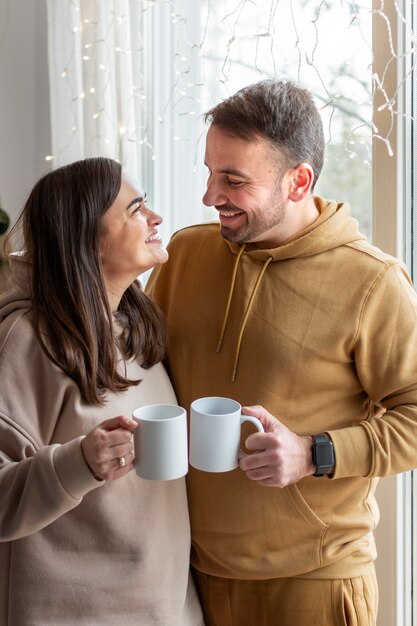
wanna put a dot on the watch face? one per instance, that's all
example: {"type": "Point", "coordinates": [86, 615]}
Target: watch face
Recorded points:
{"type": "Point", "coordinates": [324, 454]}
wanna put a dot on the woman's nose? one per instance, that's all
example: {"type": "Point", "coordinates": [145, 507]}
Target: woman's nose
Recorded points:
{"type": "Point", "coordinates": [153, 219]}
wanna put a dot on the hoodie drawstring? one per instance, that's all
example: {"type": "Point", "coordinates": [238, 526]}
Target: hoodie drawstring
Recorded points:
{"type": "Point", "coordinates": [232, 286]}
{"type": "Point", "coordinates": [248, 308]}
{"type": "Point", "coordinates": [245, 317]}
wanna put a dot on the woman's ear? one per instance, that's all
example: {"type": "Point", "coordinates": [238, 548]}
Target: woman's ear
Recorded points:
{"type": "Point", "coordinates": [302, 178]}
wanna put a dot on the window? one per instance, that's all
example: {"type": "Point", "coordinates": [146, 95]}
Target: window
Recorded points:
{"type": "Point", "coordinates": [325, 46]}
{"type": "Point", "coordinates": [214, 47]}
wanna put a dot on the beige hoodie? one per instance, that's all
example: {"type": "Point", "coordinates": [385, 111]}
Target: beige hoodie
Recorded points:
{"type": "Point", "coordinates": [322, 331]}
{"type": "Point", "coordinates": [74, 550]}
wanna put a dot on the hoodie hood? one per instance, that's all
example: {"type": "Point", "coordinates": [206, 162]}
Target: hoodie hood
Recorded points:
{"type": "Point", "coordinates": [334, 227]}
{"type": "Point", "coordinates": [18, 296]}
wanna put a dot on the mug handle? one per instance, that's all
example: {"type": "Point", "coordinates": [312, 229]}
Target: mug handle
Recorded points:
{"type": "Point", "coordinates": [255, 422]}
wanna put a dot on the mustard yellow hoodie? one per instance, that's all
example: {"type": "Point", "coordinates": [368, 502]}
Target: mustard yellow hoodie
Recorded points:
{"type": "Point", "coordinates": [322, 331]}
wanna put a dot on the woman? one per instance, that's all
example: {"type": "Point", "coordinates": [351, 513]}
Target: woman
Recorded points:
{"type": "Point", "coordinates": [84, 540]}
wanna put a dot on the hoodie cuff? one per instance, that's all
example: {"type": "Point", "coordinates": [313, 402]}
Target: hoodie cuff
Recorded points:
{"type": "Point", "coordinates": [72, 469]}
{"type": "Point", "coordinates": [353, 452]}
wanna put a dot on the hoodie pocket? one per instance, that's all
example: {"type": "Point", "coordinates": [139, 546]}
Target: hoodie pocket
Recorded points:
{"type": "Point", "coordinates": [305, 510]}
{"type": "Point", "coordinates": [243, 530]}
{"type": "Point", "coordinates": [309, 531]}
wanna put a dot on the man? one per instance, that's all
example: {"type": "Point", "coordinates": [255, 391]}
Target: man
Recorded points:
{"type": "Point", "coordinates": [290, 308]}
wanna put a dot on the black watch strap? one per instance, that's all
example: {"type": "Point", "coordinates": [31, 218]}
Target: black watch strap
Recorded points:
{"type": "Point", "coordinates": [323, 454]}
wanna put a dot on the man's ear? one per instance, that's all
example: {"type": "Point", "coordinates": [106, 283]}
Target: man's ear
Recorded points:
{"type": "Point", "coordinates": [301, 180]}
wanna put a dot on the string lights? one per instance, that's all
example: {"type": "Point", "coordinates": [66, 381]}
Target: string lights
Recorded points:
{"type": "Point", "coordinates": [106, 80]}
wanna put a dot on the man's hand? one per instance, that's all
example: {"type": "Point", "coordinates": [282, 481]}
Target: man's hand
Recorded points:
{"type": "Point", "coordinates": [282, 458]}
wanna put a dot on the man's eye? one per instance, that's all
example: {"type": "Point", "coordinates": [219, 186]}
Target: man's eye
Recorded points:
{"type": "Point", "coordinates": [234, 183]}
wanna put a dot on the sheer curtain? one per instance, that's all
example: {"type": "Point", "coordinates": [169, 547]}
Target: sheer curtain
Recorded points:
{"type": "Point", "coordinates": [94, 99]}
{"type": "Point", "coordinates": [115, 90]}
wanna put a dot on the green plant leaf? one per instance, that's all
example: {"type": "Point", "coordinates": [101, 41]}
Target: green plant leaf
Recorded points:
{"type": "Point", "coordinates": [4, 221]}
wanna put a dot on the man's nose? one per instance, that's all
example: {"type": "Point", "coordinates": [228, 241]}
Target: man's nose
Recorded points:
{"type": "Point", "coordinates": [215, 193]}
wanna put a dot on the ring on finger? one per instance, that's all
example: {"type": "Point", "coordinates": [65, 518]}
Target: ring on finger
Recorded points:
{"type": "Point", "coordinates": [122, 461]}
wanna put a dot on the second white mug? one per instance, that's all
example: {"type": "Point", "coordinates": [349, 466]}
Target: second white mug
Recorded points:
{"type": "Point", "coordinates": [215, 425]}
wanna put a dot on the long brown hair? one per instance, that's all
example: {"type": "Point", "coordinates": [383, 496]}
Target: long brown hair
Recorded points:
{"type": "Point", "coordinates": [71, 314]}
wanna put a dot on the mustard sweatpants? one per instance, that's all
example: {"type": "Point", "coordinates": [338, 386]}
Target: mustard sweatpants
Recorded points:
{"type": "Point", "coordinates": [289, 601]}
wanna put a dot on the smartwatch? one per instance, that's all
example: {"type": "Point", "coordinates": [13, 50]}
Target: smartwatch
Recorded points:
{"type": "Point", "coordinates": [323, 454]}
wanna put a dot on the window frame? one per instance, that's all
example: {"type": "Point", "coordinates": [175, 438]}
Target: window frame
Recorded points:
{"type": "Point", "coordinates": [392, 221]}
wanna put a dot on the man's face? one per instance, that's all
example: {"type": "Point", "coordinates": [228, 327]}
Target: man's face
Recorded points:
{"type": "Point", "coordinates": [247, 187]}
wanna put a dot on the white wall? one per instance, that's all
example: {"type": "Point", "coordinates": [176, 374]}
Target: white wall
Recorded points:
{"type": "Point", "coordinates": [24, 100]}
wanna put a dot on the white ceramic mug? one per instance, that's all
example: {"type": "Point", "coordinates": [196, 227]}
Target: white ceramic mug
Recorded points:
{"type": "Point", "coordinates": [161, 442]}
{"type": "Point", "coordinates": [215, 433]}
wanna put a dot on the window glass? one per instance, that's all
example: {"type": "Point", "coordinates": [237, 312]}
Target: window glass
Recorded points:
{"type": "Point", "coordinates": [324, 46]}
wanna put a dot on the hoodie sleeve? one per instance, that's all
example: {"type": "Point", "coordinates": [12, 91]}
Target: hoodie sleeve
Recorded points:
{"type": "Point", "coordinates": [385, 352]}
{"type": "Point", "coordinates": [39, 482]}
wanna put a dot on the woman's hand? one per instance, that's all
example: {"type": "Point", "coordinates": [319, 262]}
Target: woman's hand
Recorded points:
{"type": "Point", "coordinates": [106, 446]}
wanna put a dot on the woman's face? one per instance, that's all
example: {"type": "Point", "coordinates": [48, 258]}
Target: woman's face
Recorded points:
{"type": "Point", "coordinates": [129, 240]}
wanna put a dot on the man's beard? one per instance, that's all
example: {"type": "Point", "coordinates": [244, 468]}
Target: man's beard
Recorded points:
{"type": "Point", "coordinates": [265, 220]}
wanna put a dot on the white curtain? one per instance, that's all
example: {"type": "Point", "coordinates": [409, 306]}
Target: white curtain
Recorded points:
{"type": "Point", "coordinates": [115, 91]}
{"type": "Point", "coordinates": [95, 103]}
